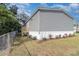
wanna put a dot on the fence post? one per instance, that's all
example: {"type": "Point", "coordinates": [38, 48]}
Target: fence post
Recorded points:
{"type": "Point", "coordinates": [8, 43]}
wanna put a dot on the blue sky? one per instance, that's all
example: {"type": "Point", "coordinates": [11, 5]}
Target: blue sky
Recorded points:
{"type": "Point", "coordinates": [71, 8]}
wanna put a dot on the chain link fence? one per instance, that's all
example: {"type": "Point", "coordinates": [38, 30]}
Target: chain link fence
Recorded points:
{"type": "Point", "coordinates": [5, 42]}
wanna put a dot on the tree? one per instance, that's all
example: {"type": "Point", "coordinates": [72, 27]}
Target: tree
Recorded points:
{"type": "Point", "coordinates": [23, 18]}
{"type": "Point", "coordinates": [8, 21]}
{"type": "Point", "coordinates": [3, 5]}
{"type": "Point", "coordinates": [14, 9]}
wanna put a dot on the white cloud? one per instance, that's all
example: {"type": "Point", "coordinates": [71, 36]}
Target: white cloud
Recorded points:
{"type": "Point", "coordinates": [74, 4]}
{"type": "Point", "coordinates": [43, 5]}
{"type": "Point", "coordinates": [22, 8]}
{"type": "Point", "coordinates": [27, 13]}
{"type": "Point", "coordinates": [77, 11]}
{"type": "Point", "coordinates": [23, 11]}
{"type": "Point", "coordinates": [27, 4]}
{"type": "Point", "coordinates": [61, 7]}
{"type": "Point", "coordinates": [23, 5]}
{"type": "Point", "coordinates": [67, 8]}
{"type": "Point", "coordinates": [29, 10]}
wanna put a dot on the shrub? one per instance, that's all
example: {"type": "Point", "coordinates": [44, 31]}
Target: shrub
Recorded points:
{"type": "Point", "coordinates": [26, 34]}
{"type": "Point", "coordinates": [34, 38]}
{"type": "Point", "coordinates": [50, 36]}
{"type": "Point", "coordinates": [70, 35]}
{"type": "Point", "coordinates": [30, 36]}
{"type": "Point", "coordinates": [59, 35]}
{"type": "Point", "coordinates": [65, 34]}
{"type": "Point", "coordinates": [44, 39]}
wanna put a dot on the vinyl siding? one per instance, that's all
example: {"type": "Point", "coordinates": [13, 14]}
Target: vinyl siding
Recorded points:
{"type": "Point", "coordinates": [55, 21]}
{"type": "Point", "coordinates": [34, 22]}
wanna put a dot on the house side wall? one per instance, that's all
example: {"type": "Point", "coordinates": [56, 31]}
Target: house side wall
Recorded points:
{"type": "Point", "coordinates": [45, 23]}
{"type": "Point", "coordinates": [55, 21]}
{"type": "Point", "coordinates": [34, 22]}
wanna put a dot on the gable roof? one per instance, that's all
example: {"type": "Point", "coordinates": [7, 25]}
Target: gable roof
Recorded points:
{"type": "Point", "coordinates": [50, 9]}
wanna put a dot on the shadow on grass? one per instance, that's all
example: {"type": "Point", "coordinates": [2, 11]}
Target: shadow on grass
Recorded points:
{"type": "Point", "coordinates": [20, 40]}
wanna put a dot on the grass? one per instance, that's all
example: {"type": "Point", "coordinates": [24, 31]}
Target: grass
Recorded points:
{"type": "Point", "coordinates": [54, 47]}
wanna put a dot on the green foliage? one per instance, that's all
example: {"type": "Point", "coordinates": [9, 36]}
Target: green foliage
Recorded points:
{"type": "Point", "coordinates": [14, 9]}
{"type": "Point", "coordinates": [2, 5]}
{"type": "Point", "coordinates": [8, 21]}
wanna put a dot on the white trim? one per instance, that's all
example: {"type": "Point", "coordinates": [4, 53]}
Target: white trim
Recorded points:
{"type": "Point", "coordinates": [45, 34]}
{"type": "Point", "coordinates": [35, 34]}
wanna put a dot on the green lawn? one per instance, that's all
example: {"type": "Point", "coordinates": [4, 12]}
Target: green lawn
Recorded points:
{"type": "Point", "coordinates": [57, 47]}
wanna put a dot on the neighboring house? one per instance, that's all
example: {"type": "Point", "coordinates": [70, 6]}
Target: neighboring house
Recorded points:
{"type": "Point", "coordinates": [54, 22]}
{"type": "Point", "coordinates": [76, 27]}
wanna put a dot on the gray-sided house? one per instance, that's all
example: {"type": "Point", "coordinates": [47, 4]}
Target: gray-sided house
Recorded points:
{"type": "Point", "coordinates": [76, 27]}
{"type": "Point", "coordinates": [45, 22]}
